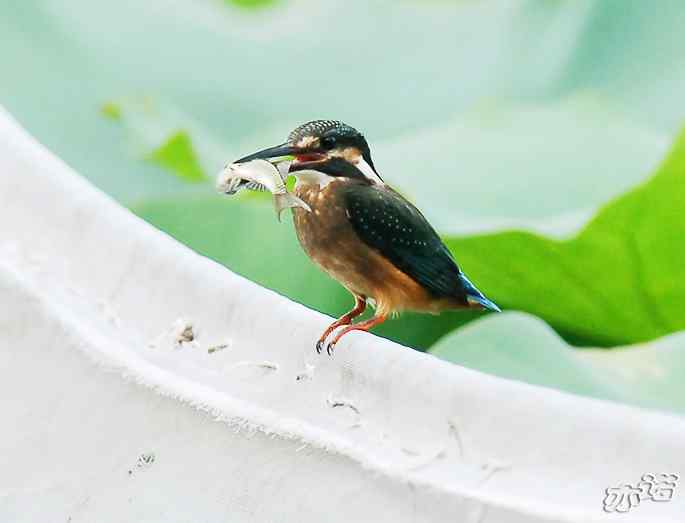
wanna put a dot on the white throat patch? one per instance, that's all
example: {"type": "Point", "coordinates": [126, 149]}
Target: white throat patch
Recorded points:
{"type": "Point", "coordinates": [367, 171]}
{"type": "Point", "coordinates": [314, 177]}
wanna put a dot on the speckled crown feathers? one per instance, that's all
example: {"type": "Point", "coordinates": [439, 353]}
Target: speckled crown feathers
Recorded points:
{"type": "Point", "coordinates": [319, 128]}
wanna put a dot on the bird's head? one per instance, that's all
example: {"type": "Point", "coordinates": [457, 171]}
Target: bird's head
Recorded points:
{"type": "Point", "coordinates": [325, 149]}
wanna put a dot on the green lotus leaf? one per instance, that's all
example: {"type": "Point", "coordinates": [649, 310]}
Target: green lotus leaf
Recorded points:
{"type": "Point", "coordinates": [523, 348]}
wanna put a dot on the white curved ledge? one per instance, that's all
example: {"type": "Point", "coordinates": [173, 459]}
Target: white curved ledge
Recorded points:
{"type": "Point", "coordinates": [109, 417]}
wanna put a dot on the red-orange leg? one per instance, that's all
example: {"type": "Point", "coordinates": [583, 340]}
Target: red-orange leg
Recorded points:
{"type": "Point", "coordinates": [361, 326]}
{"type": "Point", "coordinates": [345, 319]}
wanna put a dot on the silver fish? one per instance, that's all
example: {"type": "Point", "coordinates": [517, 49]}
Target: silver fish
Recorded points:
{"type": "Point", "coordinates": [259, 175]}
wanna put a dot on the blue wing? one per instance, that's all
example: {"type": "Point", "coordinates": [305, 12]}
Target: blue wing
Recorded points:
{"type": "Point", "coordinates": [391, 225]}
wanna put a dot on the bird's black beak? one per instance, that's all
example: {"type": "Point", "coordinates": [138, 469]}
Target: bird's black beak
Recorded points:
{"type": "Point", "coordinates": [285, 149]}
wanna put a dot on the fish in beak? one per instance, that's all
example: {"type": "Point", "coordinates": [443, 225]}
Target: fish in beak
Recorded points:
{"type": "Point", "coordinates": [259, 175]}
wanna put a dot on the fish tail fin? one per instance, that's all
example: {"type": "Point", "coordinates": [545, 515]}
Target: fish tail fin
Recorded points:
{"type": "Point", "coordinates": [287, 201]}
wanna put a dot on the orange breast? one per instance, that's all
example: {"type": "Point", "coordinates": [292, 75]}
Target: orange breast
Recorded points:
{"type": "Point", "coordinates": [328, 238]}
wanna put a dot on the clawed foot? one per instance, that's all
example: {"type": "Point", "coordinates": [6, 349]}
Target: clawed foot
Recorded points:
{"type": "Point", "coordinates": [362, 326]}
{"type": "Point", "coordinates": [329, 348]}
{"type": "Point", "coordinates": [344, 320]}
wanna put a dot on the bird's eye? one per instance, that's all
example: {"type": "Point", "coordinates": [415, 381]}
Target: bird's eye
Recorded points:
{"type": "Point", "coordinates": [327, 142]}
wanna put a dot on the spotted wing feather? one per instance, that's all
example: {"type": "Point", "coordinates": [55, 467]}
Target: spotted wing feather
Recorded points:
{"type": "Point", "coordinates": [391, 225]}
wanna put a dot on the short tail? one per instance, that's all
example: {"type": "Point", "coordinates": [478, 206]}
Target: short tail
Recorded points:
{"type": "Point", "coordinates": [286, 201]}
{"type": "Point", "coordinates": [475, 298]}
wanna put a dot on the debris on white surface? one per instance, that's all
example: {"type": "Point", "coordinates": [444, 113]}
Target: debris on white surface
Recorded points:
{"type": "Point", "coordinates": [218, 347]}
{"type": "Point", "coordinates": [250, 370]}
{"type": "Point", "coordinates": [492, 467]}
{"type": "Point", "coordinates": [181, 333]}
{"type": "Point", "coordinates": [307, 373]}
{"type": "Point", "coordinates": [145, 460]}
{"type": "Point", "coordinates": [80, 397]}
{"type": "Point", "coordinates": [336, 402]}
{"type": "Point", "coordinates": [453, 425]}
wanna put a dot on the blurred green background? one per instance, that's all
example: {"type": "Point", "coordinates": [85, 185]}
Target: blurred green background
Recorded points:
{"type": "Point", "coordinates": [540, 137]}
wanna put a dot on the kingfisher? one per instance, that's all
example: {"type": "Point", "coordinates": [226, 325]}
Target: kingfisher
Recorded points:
{"type": "Point", "coordinates": [364, 234]}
